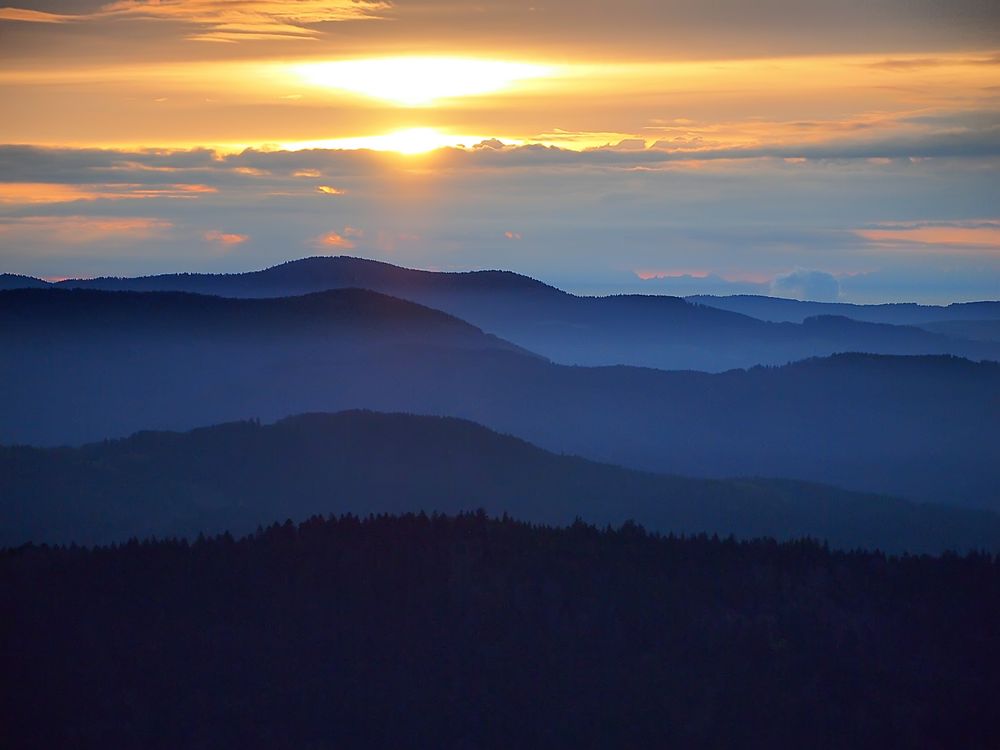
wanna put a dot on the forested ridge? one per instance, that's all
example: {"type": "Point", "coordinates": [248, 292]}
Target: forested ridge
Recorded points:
{"type": "Point", "coordinates": [232, 477]}
{"type": "Point", "coordinates": [471, 632]}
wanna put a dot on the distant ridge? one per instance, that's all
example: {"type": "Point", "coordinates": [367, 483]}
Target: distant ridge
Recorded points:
{"type": "Point", "coordinates": [782, 310]}
{"type": "Point", "coordinates": [83, 365]}
{"type": "Point", "coordinates": [313, 274]}
{"type": "Point", "coordinates": [236, 476]}
{"type": "Point", "coordinates": [648, 331]}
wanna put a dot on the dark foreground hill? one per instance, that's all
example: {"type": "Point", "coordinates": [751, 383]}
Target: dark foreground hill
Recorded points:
{"type": "Point", "coordinates": [419, 632]}
{"type": "Point", "coordinates": [79, 366]}
{"type": "Point", "coordinates": [649, 331]}
{"type": "Point", "coordinates": [234, 477]}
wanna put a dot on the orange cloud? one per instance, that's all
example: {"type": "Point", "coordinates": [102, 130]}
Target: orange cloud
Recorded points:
{"type": "Point", "coordinates": [44, 192]}
{"type": "Point", "coordinates": [333, 239]}
{"type": "Point", "coordinates": [978, 235]}
{"type": "Point", "coordinates": [225, 238]}
{"type": "Point", "coordinates": [648, 275]}
{"type": "Point", "coordinates": [512, 235]}
{"type": "Point", "coordinates": [33, 16]}
{"type": "Point", "coordinates": [329, 190]}
{"type": "Point", "coordinates": [82, 230]}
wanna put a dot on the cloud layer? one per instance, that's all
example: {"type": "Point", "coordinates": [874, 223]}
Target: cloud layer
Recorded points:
{"type": "Point", "coordinates": [600, 221]}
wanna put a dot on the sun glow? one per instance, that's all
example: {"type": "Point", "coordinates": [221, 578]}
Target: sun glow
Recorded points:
{"type": "Point", "coordinates": [419, 81]}
{"type": "Point", "coordinates": [409, 141]}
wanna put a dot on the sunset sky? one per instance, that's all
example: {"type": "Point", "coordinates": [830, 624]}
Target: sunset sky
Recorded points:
{"type": "Point", "coordinates": [823, 150]}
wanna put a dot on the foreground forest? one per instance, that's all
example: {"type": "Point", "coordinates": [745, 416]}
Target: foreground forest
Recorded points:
{"type": "Point", "coordinates": [467, 632]}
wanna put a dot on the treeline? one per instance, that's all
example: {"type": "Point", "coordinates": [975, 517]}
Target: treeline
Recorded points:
{"type": "Point", "coordinates": [471, 632]}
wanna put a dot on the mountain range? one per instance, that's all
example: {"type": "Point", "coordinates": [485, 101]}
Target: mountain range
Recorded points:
{"type": "Point", "coordinates": [782, 310]}
{"type": "Point", "coordinates": [642, 330]}
{"type": "Point", "coordinates": [84, 365]}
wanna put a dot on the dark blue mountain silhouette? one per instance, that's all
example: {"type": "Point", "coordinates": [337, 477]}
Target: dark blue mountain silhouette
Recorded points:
{"type": "Point", "coordinates": [16, 281]}
{"type": "Point", "coordinates": [974, 330]}
{"type": "Point", "coordinates": [85, 365]}
{"type": "Point", "coordinates": [780, 310]}
{"type": "Point", "coordinates": [651, 331]}
{"type": "Point", "coordinates": [236, 476]}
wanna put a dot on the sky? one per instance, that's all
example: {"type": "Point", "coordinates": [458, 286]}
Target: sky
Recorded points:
{"type": "Point", "coordinates": [831, 151]}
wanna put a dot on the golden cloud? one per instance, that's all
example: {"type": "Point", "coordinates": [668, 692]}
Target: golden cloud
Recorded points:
{"type": "Point", "coordinates": [335, 240]}
{"type": "Point", "coordinates": [225, 238]}
{"type": "Point", "coordinates": [25, 193]}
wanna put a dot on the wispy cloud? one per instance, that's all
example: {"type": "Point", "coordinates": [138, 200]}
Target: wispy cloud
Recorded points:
{"type": "Point", "coordinates": [34, 16]}
{"type": "Point", "coordinates": [25, 193]}
{"type": "Point", "coordinates": [81, 230]}
{"type": "Point", "coordinates": [334, 240]}
{"type": "Point", "coordinates": [910, 63]}
{"type": "Point", "coordinates": [226, 239]}
{"type": "Point", "coordinates": [222, 20]}
{"type": "Point", "coordinates": [961, 236]}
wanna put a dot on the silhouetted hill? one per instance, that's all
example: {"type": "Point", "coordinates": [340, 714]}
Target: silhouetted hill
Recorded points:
{"type": "Point", "coordinates": [649, 331]}
{"type": "Point", "coordinates": [780, 310]}
{"type": "Point", "coordinates": [453, 633]}
{"type": "Point", "coordinates": [338, 313]}
{"type": "Point", "coordinates": [234, 477]}
{"type": "Point", "coordinates": [918, 427]}
{"type": "Point", "coordinates": [976, 330]}
{"type": "Point", "coordinates": [16, 281]}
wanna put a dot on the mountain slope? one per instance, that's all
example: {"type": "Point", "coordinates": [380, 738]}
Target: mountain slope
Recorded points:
{"type": "Point", "coordinates": [919, 427]}
{"type": "Point", "coordinates": [976, 330]}
{"type": "Point", "coordinates": [236, 476]}
{"type": "Point", "coordinates": [71, 312]}
{"type": "Point", "coordinates": [650, 331]}
{"type": "Point", "coordinates": [17, 281]}
{"type": "Point", "coordinates": [780, 310]}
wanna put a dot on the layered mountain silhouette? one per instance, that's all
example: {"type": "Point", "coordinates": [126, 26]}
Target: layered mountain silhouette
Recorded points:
{"type": "Point", "coordinates": [83, 365]}
{"type": "Point", "coordinates": [237, 476]}
{"type": "Point", "coordinates": [650, 331]}
{"type": "Point", "coordinates": [780, 310]}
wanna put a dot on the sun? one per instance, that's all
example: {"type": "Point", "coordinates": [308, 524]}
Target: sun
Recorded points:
{"type": "Point", "coordinates": [419, 81]}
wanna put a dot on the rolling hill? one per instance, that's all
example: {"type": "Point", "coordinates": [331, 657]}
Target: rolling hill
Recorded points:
{"type": "Point", "coordinates": [80, 366]}
{"type": "Point", "coordinates": [648, 331]}
{"type": "Point", "coordinates": [237, 476]}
